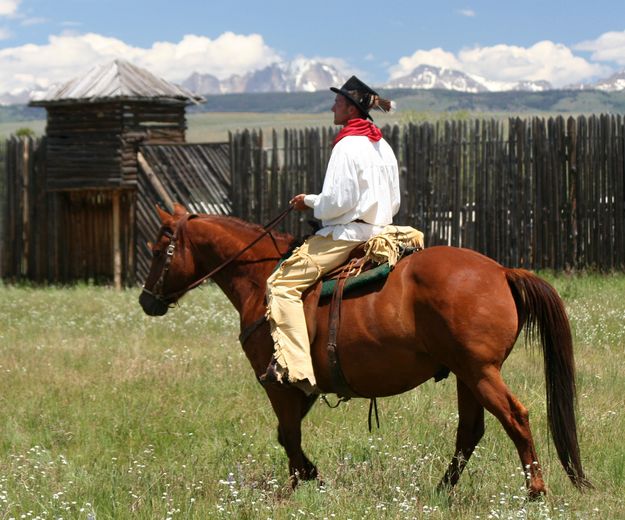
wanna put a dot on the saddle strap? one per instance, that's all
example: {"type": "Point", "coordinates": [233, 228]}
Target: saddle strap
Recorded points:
{"type": "Point", "coordinates": [339, 382]}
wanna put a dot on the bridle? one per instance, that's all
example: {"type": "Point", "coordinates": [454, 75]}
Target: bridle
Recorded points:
{"type": "Point", "coordinates": [170, 299]}
{"type": "Point", "coordinates": [157, 289]}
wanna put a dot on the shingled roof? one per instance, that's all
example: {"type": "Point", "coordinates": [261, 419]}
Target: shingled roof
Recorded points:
{"type": "Point", "coordinates": [117, 80]}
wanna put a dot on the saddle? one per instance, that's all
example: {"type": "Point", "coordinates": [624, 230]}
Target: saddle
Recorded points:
{"type": "Point", "coordinates": [371, 262]}
{"type": "Point", "coordinates": [357, 272]}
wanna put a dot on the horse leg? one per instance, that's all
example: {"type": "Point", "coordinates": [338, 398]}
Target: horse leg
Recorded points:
{"type": "Point", "coordinates": [469, 433]}
{"type": "Point", "coordinates": [290, 406]}
{"type": "Point", "coordinates": [310, 470]}
{"type": "Point", "coordinates": [493, 393]}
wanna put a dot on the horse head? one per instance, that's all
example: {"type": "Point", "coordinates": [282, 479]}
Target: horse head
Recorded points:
{"type": "Point", "coordinates": [170, 273]}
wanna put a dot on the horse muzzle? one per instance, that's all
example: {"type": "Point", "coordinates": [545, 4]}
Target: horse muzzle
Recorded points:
{"type": "Point", "coordinates": [152, 305]}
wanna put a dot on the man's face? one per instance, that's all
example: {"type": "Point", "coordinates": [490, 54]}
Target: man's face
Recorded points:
{"type": "Point", "coordinates": [343, 110]}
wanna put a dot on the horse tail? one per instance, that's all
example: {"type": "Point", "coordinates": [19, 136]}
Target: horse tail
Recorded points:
{"type": "Point", "coordinates": [542, 314]}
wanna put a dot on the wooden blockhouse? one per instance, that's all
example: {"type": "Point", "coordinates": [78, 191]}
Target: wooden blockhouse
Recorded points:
{"type": "Point", "coordinates": [106, 159]}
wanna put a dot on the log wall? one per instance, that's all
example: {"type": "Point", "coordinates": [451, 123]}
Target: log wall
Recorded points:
{"type": "Point", "coordinates": [535, 193]}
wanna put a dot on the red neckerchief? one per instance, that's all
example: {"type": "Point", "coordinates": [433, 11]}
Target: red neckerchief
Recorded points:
{"type": "Point", "coordinates": [359, 127]}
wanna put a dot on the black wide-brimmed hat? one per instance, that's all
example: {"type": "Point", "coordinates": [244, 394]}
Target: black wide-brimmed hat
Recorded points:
{"type": "Point", "coordinates": [362, 96]}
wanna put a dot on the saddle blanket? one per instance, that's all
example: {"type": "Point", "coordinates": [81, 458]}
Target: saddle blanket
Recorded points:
{"type": "Point", "coordinates": [381, 253]}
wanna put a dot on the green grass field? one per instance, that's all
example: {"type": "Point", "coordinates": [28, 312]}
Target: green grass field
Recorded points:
{"type": "Point", "coordinates": [8, 128]}
{"type": "Point", "coordinates": [214, 127]}
{"type": "Point", "coordinates": [107, 413]}
{"type": "Point", "coordinates": [211, 127]}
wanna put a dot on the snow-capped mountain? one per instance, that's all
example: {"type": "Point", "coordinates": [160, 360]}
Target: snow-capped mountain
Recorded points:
{"type": "Point", "coordinates": [614, 83]}
{"type": "Point", "coordinates": [431, 77]}
{"type": "Point", "coordinates": [305, 75]}
{"type": "Point", "coordinates": [531, 86]}
{"type": "Point", "coordinates": [205, 83]}
{"type": "Point", "coordinates": [300, 75]}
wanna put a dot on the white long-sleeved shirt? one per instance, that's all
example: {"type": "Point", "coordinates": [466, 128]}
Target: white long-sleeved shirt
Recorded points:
{"type": "Point", "coordinates": [361, 183]}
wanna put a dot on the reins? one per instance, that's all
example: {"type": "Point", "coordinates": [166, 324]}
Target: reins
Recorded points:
{"type": "Point", "coordinates": [267, 228]}
{"type": "Point", "coordinates": [373, 407]}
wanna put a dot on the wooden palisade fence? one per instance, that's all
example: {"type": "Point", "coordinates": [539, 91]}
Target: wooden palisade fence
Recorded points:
{"type": "Point", "coordinates": [49, 235]}
{"type": "Point", "coordinates": [534, 193]}
{"type": "Point", "coordinates": [52, 236]}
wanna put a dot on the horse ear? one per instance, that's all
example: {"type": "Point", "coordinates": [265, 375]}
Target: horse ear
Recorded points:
{"type": "Point", "coordinates": [163, 215]}
{"type": "Point", "coordinates": [179, 210]}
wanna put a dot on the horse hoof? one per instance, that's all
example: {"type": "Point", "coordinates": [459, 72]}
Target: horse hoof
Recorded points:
{"type": "Point", "coordinates": [535, 494]}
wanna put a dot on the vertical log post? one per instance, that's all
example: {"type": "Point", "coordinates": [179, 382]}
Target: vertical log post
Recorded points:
{"type": "Point", "coordinates": [117, 252]}
{"type": "Point", "coordinates": [25, 141]}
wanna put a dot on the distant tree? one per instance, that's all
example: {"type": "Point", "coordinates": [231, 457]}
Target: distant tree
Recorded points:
{"type": "Point", "coordinates": [25, 132]}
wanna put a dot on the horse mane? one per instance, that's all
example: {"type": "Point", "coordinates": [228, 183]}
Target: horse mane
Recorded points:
{"type": "Point", "coordinates": [236, 222]}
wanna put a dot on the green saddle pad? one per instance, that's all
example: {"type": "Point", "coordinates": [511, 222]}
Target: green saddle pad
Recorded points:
{"type": "Point", "coordinates": [372, 275]}
{"type": "Point", "coordinates": [376, 274]}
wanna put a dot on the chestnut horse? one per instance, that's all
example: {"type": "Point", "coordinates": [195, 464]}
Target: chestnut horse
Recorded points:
{"type": "Point", "coordinates": [440, 308]}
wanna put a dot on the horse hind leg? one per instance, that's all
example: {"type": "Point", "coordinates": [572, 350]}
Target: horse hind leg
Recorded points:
{"type": "Point", "coordinates": [469, 433]}
{"type": "Point", "coordinates": [492, 392]}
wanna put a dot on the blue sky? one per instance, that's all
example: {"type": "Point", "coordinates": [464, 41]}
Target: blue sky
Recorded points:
{"type": "Point", "coordinates": [46, 41]}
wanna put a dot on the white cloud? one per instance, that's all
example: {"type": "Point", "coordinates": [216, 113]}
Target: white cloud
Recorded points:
{"type": "Point", "coordinates": [226, 55]}
{"type": "Point", "coordinates": [609, 46]}
{"type": "Point", "coordinates": [9, 7]}
{"type": "Point", "coordinates": [544, 60]}
{"type": "Point", "coordinates": [469, 13]}
{"type": "Point", "coordinates": [36, 20]}
{"type": "Point", "coordinates": [68, 55]}
{"type": "Point", "coordinates": [436, 57]}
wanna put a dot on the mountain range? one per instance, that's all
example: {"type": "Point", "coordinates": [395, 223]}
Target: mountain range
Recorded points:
{"type": "Point", "coordinates": [299, 75]}
{"type": "Point", "coordinates": [304, 75]}
{"type": "Point", "coordinates": [429, 77]}
{"type": "Point", "coordinates": [311, 75]}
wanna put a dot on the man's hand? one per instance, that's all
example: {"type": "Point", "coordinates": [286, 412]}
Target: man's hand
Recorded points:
{"type": "Point", "coordinates": [298, 202]}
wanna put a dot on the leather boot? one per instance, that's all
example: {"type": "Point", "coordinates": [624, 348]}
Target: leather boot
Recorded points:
{"type": "Point", "coordinates": [271, 375]}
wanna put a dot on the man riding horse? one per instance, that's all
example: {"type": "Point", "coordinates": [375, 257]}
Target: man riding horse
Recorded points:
{"type": "Point", "coordinates": [360, 196]}
{"type": "Point", "coordinates": [442, 308]}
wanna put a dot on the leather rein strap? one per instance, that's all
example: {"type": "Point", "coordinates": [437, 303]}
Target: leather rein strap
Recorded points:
{"type": "Point", "coordinates": [267, 228]}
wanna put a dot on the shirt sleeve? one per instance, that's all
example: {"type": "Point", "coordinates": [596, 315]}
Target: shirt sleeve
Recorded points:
{"type": "Point", "coordinates": [310, 200]}
{"type": "Point", "coordinates": [340, 192]}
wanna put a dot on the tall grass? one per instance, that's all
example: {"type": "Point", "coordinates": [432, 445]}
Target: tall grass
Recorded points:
{"type": "Point", "coordinates": [209, 127]}
{"type": "Point", "coordinates": [107, 413]}
{"type": "Point", "coordinates": [214, 126]}
{"type": "Point", "coordinates": [8, 128]}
